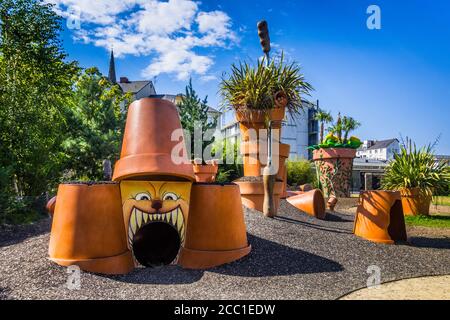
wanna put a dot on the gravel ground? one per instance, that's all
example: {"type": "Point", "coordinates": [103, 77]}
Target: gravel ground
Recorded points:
{"type": "Point", "coordinates": [426, 288]}
{"type": "Point", "coordinates": [294, 257]}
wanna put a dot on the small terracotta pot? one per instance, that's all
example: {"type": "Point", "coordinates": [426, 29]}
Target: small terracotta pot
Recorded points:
{"type": "Point", "coordinates": [331, 203]}
{"type": "Point", "coordinates": [335, 167]}
{"type": "Point", "coordinates": [252, 159]}
{"type": "Point", "coordinates": [216, 232]}
{"type": "Point", "coordinates": [88, 229]}
{"type": "Point", "coordinates": [147, 144]}
{"type": "Point", "coordinates": [415, 202]}
{"type": "Point", "coordinates": [379, 217]}
{"type": "Point", "coordinates": [252, 194]}
{"type": "Point", "coordinates": [50, 207]}
{"type": "Point", "coordinates": [311, 202]}
{"type": "Point", "coordinates": [206, 172]}
{"type": "Point", "coordinates": [256, 120]}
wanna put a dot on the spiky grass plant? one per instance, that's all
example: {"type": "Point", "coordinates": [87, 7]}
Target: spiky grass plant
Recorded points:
{"type": "Point", "coordinates": [250, 88]}
{"type": "Point", "coordinates": [416, 168]}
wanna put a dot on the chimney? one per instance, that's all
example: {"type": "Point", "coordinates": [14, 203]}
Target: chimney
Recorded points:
{"type": "Point", "coordinates": [124, 80]}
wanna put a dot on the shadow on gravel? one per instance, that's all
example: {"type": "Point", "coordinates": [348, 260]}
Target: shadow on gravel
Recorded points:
{"type": "Point", "coordinates": [10, 235]}
{"type": "Point", "coordinates": [423, 242]}
{"type": "Point", "coordinates": [269, 258]}
{"type": "Point", "coordinates": [337, 218]}
{"type": "Point", "coordinates": [314, 226]}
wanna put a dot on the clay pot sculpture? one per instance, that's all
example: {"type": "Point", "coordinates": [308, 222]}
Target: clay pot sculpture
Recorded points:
{"type": "Point", "coordinates": [205, 172]}
{"type": "Point", "coordinates": [379, 217]}
{"type": "Point", "coordinates": [252, 159]}
{"type": "Point", "coordinates": [331, 203]}
{"type": "Point", "coordinates": [252, 121]}
{"type": "Point", "coordinates": [50, 207]}
{"type": "Point", "coordinates": [311, 202]}
{"type": "Point", "coordinates": [335, 170]}
{"type": "Point", "coordinates": [216, 232]}
{"type": "Point", "coordinates": [252, 192]}
{"type": "Point", "coordinates": [88, 229]}
{"type": "Point", "coordinates": [415, 202]}
{"type": "Point", "coordinates": [148, 149]}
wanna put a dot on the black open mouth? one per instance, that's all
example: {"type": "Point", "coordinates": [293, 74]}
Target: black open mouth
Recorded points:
{"type": "Point", "coordinates": [156, 238]}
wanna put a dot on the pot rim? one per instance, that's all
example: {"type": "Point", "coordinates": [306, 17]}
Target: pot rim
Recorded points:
{"type": "Point", "coordinates": [334, 153]}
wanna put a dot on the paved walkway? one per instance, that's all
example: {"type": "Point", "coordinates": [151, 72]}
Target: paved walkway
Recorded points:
{"type": "Point", "coordinates": [426, 288]}
{"type": "Point", "coordinates": [294, 257]}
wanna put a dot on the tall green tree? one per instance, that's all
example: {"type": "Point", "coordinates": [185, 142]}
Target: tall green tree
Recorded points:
{"type": "Point", "coordinates": [323, 117]}
{"type": "Point", "coordinates": [96, 123]}
{"type": "Point", "coordinates": [349, 124]}
{"type": "Point", "coordinates": [35, 86]}
{"type": "Point", "coordinates": [194, 111]}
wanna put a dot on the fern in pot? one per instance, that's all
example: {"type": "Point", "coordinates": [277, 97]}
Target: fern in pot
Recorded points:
{"type": "Point", "coordinates": [418, 176]}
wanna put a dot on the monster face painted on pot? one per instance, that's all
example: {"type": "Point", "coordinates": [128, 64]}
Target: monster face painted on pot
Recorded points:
{"type": "Point", "coordinates": [155, 216]}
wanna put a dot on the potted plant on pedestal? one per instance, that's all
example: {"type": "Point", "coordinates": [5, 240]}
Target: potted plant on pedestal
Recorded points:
{"type": "Point", "coordinates": [194, 115]}
{"type": "Point", "coordinates": [260, 96]}
{"type": "Point", "coordinates": [334, 156]}
{"type": "Point", "coordinates": [417, 175]}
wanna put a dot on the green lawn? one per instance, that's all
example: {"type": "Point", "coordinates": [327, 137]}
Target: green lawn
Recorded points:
{"type": "Point", "coordinates": [428, 221]}
{"type": "Point", "coordinates": [443, 201]}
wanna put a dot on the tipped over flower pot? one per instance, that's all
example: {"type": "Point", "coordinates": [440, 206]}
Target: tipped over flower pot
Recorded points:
{"type": "Point", "coordinates": [216, 232]}
{"type": "Point", "coordinates": [88, 229]}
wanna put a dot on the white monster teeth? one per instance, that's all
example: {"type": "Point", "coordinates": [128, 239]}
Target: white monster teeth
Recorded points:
{"type": "Point", "coordinates": [180, 220]}
{"type": "Point", "coordinates": [174, 217]}
{"type": "Point", "coordinates": [139, 218]}
{"type": "Point", "coordinates": [145, 216]}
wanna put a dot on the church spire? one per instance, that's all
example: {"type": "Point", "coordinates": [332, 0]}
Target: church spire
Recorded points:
{"type": "Point", "coordinates": [112, 68]}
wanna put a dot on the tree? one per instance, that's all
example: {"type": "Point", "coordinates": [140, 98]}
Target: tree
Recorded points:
{"type": "Point", "coordinates": [95, 126]}
{"type": "Point", "coordinates": [349, 124]}
{"type": "Point", "coordinates": [323, 117]}
{"type": "Point", "coordinates": [35, 85]}
{"type": "Point", "coordinates": [194, 112]}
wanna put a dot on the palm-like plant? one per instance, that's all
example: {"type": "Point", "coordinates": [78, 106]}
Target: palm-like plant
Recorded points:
{"type": "Point", "coordinates": [349, 124]}
{"type": "Point", "coordinates": [416, 168]}
{"type": "Point", "coordinates": [323, 117]}
{"type": "Point", "coordinates": [251, 88]}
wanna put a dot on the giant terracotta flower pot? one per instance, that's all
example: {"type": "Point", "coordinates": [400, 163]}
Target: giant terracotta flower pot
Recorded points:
{"type": "Point", "coordinates": [206, 172]}
{"type": "Point", "coordinates": [379, 217]}
{"type": "Point", "coordinates": [335, 167]}
{"type": "Point", "coordinates": [216, 232]}
{"type": "Point", "coordinates": [88, 229]}
{"type": "Point", "coordinates": [310, 202]}
{"type": "Point", "coordinates": [148, 149]}
{"type": "Point", "coordinates": [415, 202]}
{"type": "Point", "coordinates": [252, 159]}
{"type": "Point", "coordinates": [257, 120]}
{"type": "Point", "coordinates": [252, 193]}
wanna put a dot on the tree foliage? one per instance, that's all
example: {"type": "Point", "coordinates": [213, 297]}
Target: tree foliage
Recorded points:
{"type": "Point", "coordinates": [95, 126]}
{"type": "Point", "coordinates": [194, 113]}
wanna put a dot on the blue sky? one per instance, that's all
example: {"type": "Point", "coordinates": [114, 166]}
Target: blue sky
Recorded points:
{"type": "Point", "coordinates": [394, 80]}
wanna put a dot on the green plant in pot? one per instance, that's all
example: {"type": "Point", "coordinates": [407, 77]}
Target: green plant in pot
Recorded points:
{"type": "Point", "coordinates": [259, 94]}
{"type": "Point", "coordinates": [334, 155]}
{"type": "Point", "coordinates": [194, 116]}
{"type": "Point", "coordinates": [418, 176]}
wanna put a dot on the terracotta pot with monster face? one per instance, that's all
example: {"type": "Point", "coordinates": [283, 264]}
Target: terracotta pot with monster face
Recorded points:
{"type": "Point", "coordinates": [155, 216]}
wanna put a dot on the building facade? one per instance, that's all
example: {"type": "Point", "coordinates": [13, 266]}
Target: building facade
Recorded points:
{"type": "Point", "coordinates": [299, 131]}
{"type": "Point", "coordinates": [379, 150]}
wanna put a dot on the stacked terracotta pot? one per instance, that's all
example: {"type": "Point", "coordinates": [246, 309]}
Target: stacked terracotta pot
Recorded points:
{"type": "Point", "coordinates": [254, 153]}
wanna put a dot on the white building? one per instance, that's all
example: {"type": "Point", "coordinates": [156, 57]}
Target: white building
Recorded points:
{"type": "Point", "coordinates": [299, 131]}
{"type": "Point", "coordinates": [378, 150]}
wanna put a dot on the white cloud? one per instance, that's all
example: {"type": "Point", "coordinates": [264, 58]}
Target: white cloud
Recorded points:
{"type": "Point", "coordinates": [168, 32]}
